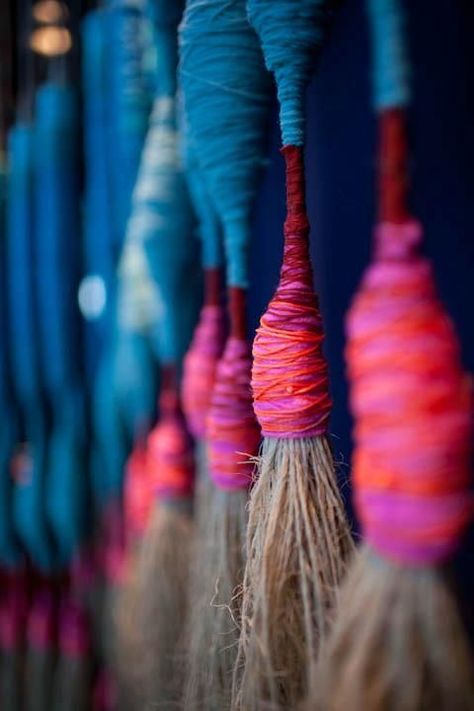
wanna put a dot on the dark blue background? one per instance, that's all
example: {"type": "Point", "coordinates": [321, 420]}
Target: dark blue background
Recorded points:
{"type": "Point", "coordinates": [340, 162]}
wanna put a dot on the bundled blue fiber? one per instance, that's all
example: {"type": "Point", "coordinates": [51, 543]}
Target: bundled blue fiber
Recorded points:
{"type": "Point", "coordinates": [57, 236]}
{"type": "Point", "coordinates": [98, 285]}
{"type": "Point", "coordinates": [209, 228]}
{"type": "Point", "coordinates": [165, 16]}
{"type": "Point", "coordinates": [29, 510]}
{"type": "Point", "coordinates": [391, 69]}
{"type": "Point", "coordinates": [128, 107]}
{"type": "Point", "coordinates": [226, 92]}
{"type": "Point", "coordinates": [10, 552]}
{"type": "Point", "coordinates": [164, 211]}
{"type": "Point", "coordinates": [291, 33]}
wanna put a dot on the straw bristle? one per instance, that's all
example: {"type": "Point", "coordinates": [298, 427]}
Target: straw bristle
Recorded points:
{"type": "Point", "coordinates": [214, 623]}
{"type": "Point", "coordinates": [398, 643]}
{"type": "Point", "coordinates": [298, 545]}
{"type": "Point", "coordinates": [127, 644]}
{"type": "Point", "coordinates": [162, 591]}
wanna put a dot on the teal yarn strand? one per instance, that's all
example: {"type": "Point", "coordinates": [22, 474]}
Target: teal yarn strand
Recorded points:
{"type": "Point", "coordinates": [209, 229]}
{"type": "Point", "coordinates": [391, 69]}
{"type": "Point", "coordinates": [164, 222]}
{"type": "Point", "coordinates": [227, 94]}
{"type": "Point", "coordinates": [291, 33]}
{"type": "Point", "coordinates": [165, 16]}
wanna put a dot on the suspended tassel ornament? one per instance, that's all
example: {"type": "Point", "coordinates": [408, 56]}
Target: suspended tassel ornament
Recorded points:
{"type": "Point", "coordinates": [298, 536]}
{"type": "Point", "coordinates": [398, 642]}
{"type": "Point", "coordinates": [226, 102]}
{"type": "Point", "coordinates": [164, 554]}
{"type": "Point", "coordinates": [200, 362]}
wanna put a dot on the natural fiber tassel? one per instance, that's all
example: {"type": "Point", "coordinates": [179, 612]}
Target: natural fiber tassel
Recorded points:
{"type": "Point", "coordinates": [199, 371]}
{"type": "Point", "coordinates": [398, 642]}
{"type": "Point", "coordinates": [227, 99]}
{"type": "Point", "coordinates": [233, 436]}
{"type": "Point", "coordinates": [164, 556]}
{"type": "Point", "coordinates": [298, 537]}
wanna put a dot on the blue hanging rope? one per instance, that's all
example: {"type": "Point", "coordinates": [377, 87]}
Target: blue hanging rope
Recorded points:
{"type": "Point", "coordinates": [391, 68]}
{"type": "Point", "coordinates": [165, 16]}
{"type": "Point", "coordinates": [165, 221]}
{"type": "Point", "coordinates": [227, 94]}
{"type": "Point", "coordinates": [57, 237]}
{"type": "Point", "coordinates": [128, 107]}
{"type": "Point", "coordinates": [209, 228]}
{"type": "Point", "coordinates": [98, 286]}
{"type": "Point", "coordinates": [10, 551]}
{"type": "Point", "coordinates": [29, 512]}
{"type": "Point", "coordinates": [291, 33]}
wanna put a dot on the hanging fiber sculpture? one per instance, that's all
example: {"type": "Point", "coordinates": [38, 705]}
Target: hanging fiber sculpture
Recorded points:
{"type": "Point", "coordinates": [166, 232]}
{"type": "Point", "coordinates": [200, 362]}
{"type": "Point", "coordinates": [57, 237]}
{"type": "Point", "coordinates": [28, 464]}
{"type": "Point", "coordinates": [226, 103]}
{"type": "Point", "coordinates": [11, 555]}
{"type": "Point", "coordinates": [398, 642]}
{"type": "Point", "coordinates": [298, 536]}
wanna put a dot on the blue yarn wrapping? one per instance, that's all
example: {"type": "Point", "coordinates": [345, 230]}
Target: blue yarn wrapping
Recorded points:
{"type": "Point", "coordinates": [164, 213]}
{"type": "Point", "coordinates": [165, 16]}
{"type": "Point", "coordinates": [209, 228]}
{"type": "Point", "coordinates": [57, 232]}
{"type": "Point", "coordinates": [57, 202]}
{"type": "Point", "coordinates": [391, 69]}
{"type": "Point", "coordinates": [28, 508]}
{"type": "Point", "coordinates": [10, 552]}
{"type": "Point", "coordinates": [227, 93]}
{"type": "Point", "coordinates": [22, 336]}
{"type": "Point", "coordinates": [291, 33]}
{"type": "Point", "coordinates": [99, 257]}
{"type": "Point", "coordinates": [128, 103]}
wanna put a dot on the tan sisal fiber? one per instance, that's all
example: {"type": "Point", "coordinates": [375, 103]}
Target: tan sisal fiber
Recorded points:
{"type": "Point", "coordinates": [397, 644]}
{"type": "Point", "coordinates": [214, 622]}
{"type": "Point", "coordinates": [298, 546]}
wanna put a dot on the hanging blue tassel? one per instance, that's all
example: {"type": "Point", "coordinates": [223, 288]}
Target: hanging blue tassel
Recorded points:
{"type": "Point", "coordinates": [58, 243]}
{"type": "Point", "coordinates": [10, 552]}
{"type": "Point", "coordinates": [29, 464]}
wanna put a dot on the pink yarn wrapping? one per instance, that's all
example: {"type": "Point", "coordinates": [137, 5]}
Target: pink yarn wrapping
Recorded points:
{"type": "Point", "coordinates": [289, 375]}
{"type": "Point", "coordinates": [200, 366]}
{"type": "Point", "coordinates": [233, 432]}
{"type": "Point", "coordinates": [170, 458]}
{"type": "Point", "coordinates": [412, 405]}
{"type": "Point", "coordinates": [137, 493]}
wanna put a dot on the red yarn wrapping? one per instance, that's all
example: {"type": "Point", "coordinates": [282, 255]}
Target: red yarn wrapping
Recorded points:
{"type": "Point", "coordinates": [393, 166]}
{"type": "Point", "coordinates": [199, 368]}
{"type": "Point", "coordinates": [137, 493]}
{"type": "Point", "coordinates": [289, 374]}
{"type": "Point", "coordinates": [170, 460]}
{"type": "Point", "coordinates": [233, 432]}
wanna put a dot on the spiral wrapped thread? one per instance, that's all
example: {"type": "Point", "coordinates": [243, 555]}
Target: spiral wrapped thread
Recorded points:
{"type": "Point", "coordinates": [412, 404]}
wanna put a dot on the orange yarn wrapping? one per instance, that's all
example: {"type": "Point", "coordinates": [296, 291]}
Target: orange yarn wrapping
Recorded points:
{"type": "Point", "coordinates": [170, 460]}
{"type": "Point", "coordinates": [289, 374]}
